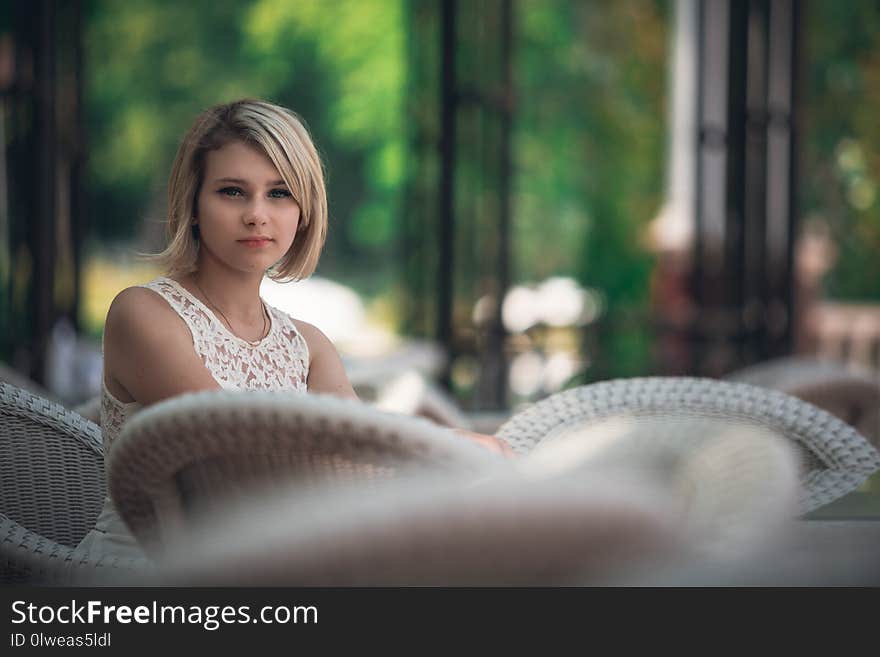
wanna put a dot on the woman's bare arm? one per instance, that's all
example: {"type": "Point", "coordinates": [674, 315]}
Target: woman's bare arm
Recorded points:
{"type": "Point", "coordinates": [326, 373]}
{"type": "Point", "coordinates": [489, 442]}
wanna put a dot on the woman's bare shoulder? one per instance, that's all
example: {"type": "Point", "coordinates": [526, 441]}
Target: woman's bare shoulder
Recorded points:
{"type": "Point", "coordinates": [137, 304]}
{"type": "Point", "coordinates": [314, 337]}
{"type": "Point", "coordinates": [138, 313]}
{"type": "Point", "coordinates": [306, 330]}
{"type": "Point", "coordinates": [148, 349]}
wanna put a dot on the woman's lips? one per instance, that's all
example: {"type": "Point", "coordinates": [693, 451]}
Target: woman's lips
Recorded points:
{"type": "Point", "coordinates": [255, 243]}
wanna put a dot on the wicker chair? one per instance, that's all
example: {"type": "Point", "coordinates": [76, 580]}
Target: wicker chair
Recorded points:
{"type": "Point", "coordinates": [677, 488]}
{"type": "Point", "coordinates": [615, 421]}
{"type": "Point", "coordinates": [587, 526]}
{"type": "Point", "coordinates": [187, 456]}
{"type": "Point", "coordinates": [51, 490]}
{"type": "Point", "coordinates": [849, 393]}
{"type": "Point", "coordinates": [89, 409]}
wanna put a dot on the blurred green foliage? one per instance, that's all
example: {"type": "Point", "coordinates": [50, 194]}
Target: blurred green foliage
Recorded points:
{"type": "Point", "coordinates": [840, 181]}
{"type": "Point", "coordinates": [591, 129]}
{"type": "Point", "coordinates": [590, 148]}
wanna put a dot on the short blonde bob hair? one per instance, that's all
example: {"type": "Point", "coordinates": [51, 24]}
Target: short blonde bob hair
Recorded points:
{"type": "Point", "coordinates": [281, 135]}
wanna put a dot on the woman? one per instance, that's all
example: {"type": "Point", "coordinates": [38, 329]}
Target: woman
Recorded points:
{"type": "Point", "coordinates": [246, 198]}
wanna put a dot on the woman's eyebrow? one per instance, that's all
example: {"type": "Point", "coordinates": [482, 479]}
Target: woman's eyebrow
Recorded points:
{"type": "Point", "coordinates": [240, 181]}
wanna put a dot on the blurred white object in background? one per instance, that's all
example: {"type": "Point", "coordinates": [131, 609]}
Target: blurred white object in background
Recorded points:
{"type": "Point", "coordinates": [557, 301]}
{"type": "Point", "coordinates": [371, 354]}
{"type": "Point", "coordinates": [519, 310]}
{"type": "Point", "coordinates": [335, 309]}
{"type": "Point", "coordinates": [412, 393]}
{"type": "Point", "coordinates": [559, 369]}
{"type": "Point", "coordinates": [59, 359]}
{"type": "Point", "coordinates": [560, 301]}
{"type": "Point", "coordinates": [420, 356]}
{"type": "Point", "coordinates": [338, 311]}
{"type": "Point", "coordinates": [73, 364]}
{"type": "Point", "coordinates": [526, 373]}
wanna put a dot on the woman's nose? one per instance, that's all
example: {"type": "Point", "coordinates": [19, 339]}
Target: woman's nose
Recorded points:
{"type": "Point", "coordinates": [255, 213]}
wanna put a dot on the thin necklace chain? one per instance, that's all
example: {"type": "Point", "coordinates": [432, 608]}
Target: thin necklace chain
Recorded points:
{"type": "Point", "coordinates": [252, 343]}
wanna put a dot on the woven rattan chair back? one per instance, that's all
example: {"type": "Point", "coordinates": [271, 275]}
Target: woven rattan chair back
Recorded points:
{"type": "Point", "coordinates": [849, 393]}
{"type": "Point", "coordinates": [835, 459]}
{"type": "Point", "coordinates": [187, 456]}
{"type": "Point", "coordinates": [51, 467]}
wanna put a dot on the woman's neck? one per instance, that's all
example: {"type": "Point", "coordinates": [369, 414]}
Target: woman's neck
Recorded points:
{"type": "Point", "coordinates": [235, 293]}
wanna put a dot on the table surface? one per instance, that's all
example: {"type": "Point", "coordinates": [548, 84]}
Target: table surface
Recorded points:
{"type": "Point", "coordinates": [835, 546]}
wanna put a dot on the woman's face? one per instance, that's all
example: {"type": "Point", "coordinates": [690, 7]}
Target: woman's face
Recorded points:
{"type": "Point", "coordinates": [247, 217]}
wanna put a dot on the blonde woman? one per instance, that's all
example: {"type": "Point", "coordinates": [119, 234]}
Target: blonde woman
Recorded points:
{"type": "Point", "coordinates": [246, 198]}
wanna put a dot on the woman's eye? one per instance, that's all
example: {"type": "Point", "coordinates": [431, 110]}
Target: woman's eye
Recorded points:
{"type": "Point", "coordinates": [279, 193]}
{"type": "Point", "coordinates": [231, 191]}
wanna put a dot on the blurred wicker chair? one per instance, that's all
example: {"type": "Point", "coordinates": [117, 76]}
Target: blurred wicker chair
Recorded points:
{"type": "Point", "coordinates": [738, 486]}
{"type": "Point", "coordinates": [51, 491]}
{"type": "Point", "coordinates": [440, 531]}
{"type": "Point", "coordinates": [851, 394]}
{"type": "Point", "coordinates": [187, 456]}
{"type": "Point", "coordinates": [664, 418]}
{"type": "Point", "coordinates": [585, 526]}
{"type": "Point", "coordinates": [585, 506]}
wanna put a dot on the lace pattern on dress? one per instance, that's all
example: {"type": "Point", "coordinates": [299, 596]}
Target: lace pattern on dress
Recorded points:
{"type": "Point", "coordinates": [114, 413]}
{"type": "Point", "coordinates": [280, 361]}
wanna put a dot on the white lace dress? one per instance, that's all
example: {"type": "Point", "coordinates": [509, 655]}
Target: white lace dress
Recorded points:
{"type": "Point", "coordinates": [280, 361]}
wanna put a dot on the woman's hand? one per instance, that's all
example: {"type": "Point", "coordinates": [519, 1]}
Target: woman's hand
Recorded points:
{"type": "Point", "coordinates": [489, 442]}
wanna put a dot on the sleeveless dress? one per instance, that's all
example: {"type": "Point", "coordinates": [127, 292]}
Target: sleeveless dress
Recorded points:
{"type": "Point", "coordinates": [280, 361]}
